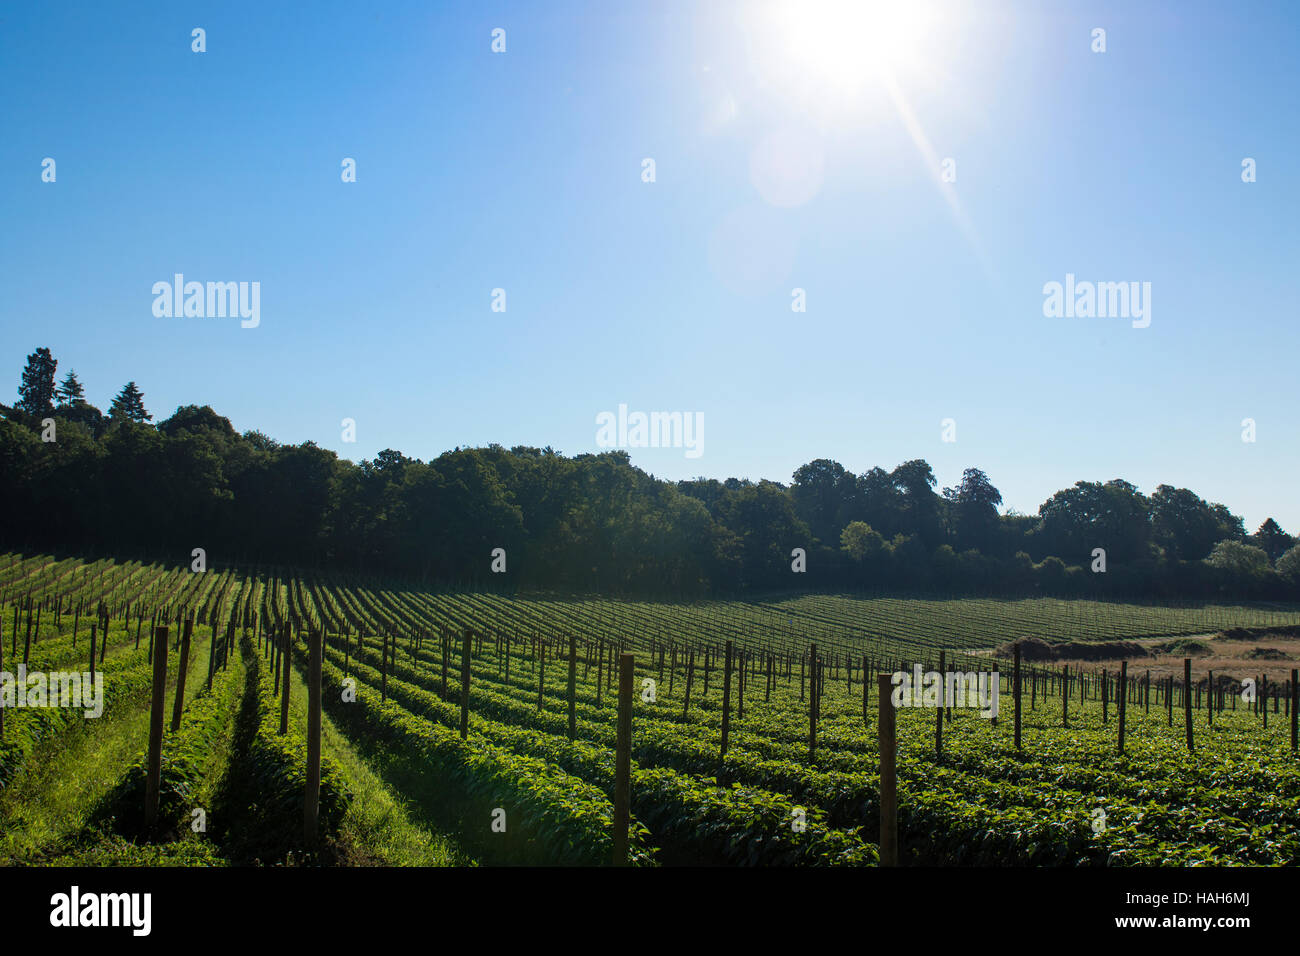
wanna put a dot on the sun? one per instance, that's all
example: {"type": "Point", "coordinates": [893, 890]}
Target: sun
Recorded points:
{"type": "Point", "coordinates": [832, 49]}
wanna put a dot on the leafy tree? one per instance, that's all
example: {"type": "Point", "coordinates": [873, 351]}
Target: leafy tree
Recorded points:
{"type": "Point", "coordinates": [196, 419]}
{"type": "Point", "coordinates": [1113, 516]}
{"type": "Point", "coordinates": [36, 393]}
{"type": "Point", "coordinates": [1241, 560]}
{"type": "Point", "coordinates": [129, 406]}
{"type": "Point", "coordinates": [823, 494]}
{"type": "Point", "coordinates": [915, 482]}
{"type": "Point", "coordinates": [1183, 523]}
{"type": "Point", "coordinates": [1288, 565]}
{"type": "Point", "coordinates": [859, 541]}
{"type": "Point", "coordinates": [975, 510]}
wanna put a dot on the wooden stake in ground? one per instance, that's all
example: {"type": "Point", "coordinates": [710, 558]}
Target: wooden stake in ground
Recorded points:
{"type": "Point", "coordinates": [726, 699]}
{"type": "Point", "coordinates": [1262, 698]}
{"type": "Point", "coordinates": [1187, 698]}
{"type": "Point", "coordinates": [285, 667]}
{"type": "Point", "coordinates": [1122, 700]}
{"type": "Point", "coordinates": [311, 802]}
{"type": "Point", "coordinates": [179, 707]}
{"type": "Point", "coordinates": [812, 703]}
{"type": "Point", "coordinates": [541, 672]}
{"type": "Point", "coordinates": [866, 686]}
{"type": "Point", "coordinates": [464, 684]}
{"type": "Point", "coordinates": [1295, 719]}
{"type": "Point", "coordinates": [690, 676]}
{"type": "Point", "coordinates": [1065, 696]}
{"type": "Point", "coordinates": [92, 653]}
{"type": "Point", "coordinates": [938, 714]}
{"type": "Point", "coordinates": [573, 687]}
{"type": "Point", "coordinates": [153, 769]}
{"type": "Point", "coordinates": [1015, 688]}
{"type": "Point", "coordinates": [623, 759]}
{"type": "Point", "coordinates": [888, 777]}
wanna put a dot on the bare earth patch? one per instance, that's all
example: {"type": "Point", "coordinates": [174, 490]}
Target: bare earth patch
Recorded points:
{"type": "Point", "coordinates": [1239, 653]}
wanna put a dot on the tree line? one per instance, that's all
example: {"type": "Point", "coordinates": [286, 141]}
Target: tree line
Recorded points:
{"type": "Point", "coordinates": [119, 484]}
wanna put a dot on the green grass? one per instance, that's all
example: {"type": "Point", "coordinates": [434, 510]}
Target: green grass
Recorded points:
{"type": "Point", "coordinates": [49, 804]}
{"type": "Point", "coordinates": [378, 828]}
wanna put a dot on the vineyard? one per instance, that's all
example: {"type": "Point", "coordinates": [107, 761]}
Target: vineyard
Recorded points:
{"type": "Point", "coordinates": [483, 729]}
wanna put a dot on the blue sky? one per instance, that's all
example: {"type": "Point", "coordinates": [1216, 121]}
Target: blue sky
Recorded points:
{"type": "Point", "coordinates": [780, 161]}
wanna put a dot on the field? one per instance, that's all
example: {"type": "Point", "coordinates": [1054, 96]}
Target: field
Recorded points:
{"type": "Point", "coordinates": [533, 779]}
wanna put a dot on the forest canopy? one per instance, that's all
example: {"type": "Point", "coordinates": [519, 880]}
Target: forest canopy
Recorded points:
{"type": "Point", "coordinates": [122, 485]}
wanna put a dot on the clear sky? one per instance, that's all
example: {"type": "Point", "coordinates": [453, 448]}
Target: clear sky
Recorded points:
{"type": "Point", "coordinates": [791, 150]}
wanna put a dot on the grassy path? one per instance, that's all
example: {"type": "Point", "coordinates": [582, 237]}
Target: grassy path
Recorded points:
{"type": "Point", "coordinates": [47, 807]}
{"type": "Point", "coordinates": [379, 829]}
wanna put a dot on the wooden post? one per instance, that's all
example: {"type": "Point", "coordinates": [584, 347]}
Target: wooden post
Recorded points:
{"type": "Point", "coordinates": [1065, 696]}
{"type": "Point", "coordinates": [464, 684]}
{"type": "Point", "coordinates": [92, 653]}
{"type": "Point", "coordinates": [446, 652]}
{"type": "Point", "coordinates": [623, 759]}
{"type": "Point", "coordinates": [938, 714]}
{"type": "Point", "coordinates": [1209, 699]}
{"type": "Point", "coordinates": [1015, 688]}
{"type": "Point", "coordinates": [285, 668]}
{"type": "Point", "coordinates": [573, 686]}
{"type": "Point", "coordinates": [153, 769]}
{"type": "Point", "coordinates": [311, 804]}
{"type": "Point", "coordinates": [212, 655]}
{"type": "Point", "coordinates": [690, 675]}
{"type": "Point", "coordinates": [740, 687]}
{"type": "Point", "coordinates": [1122, 700]}
{"type": "Point", "coordinates": [813, 691]}
{"type": "Point", "coordinates": [1295, 722]}
{"type": "Point", "coordinates": [888, 778]}
{"type": "Point", "coordinates": [726, 699]}
{"type": "Point", "coordinates": [181, 666]}
{"type": "Point", "coordinates": [1187, 698]}
{"type": "Point", "coordinates": [866, 686]}
{"type": "Point", "coordinates": [541, 672]}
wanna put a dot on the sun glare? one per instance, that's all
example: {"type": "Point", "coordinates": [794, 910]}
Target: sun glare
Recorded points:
{"type": "Point", "coordinates": [834, 48]}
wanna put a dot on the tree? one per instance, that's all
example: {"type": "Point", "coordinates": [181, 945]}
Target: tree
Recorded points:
{"type": "Point", "coordinates": [70, 393]}
{"type": "Point", "coordinates": [1289, 564]}
{"type": "Point", "coordinates": [1183, 524]}
{"type": "Point", "coordinates": [129, 405]}
{"type": "Point", "coordinates": [859, 541]}
{"type": "Point", "coordinates": [36, 393]}
{"type": "Point", "coordinates": [915, 482]}
{"type": "Point", "coordinates": [1113, 516]}
{"type": "Point", "coordinates": [975, 509]}
{"type": "Point", "coordinates": [1244, 562]}
{"type": "Point", "coordinates": [823, 492]}
{"type": "Point", "coordinates": [1273, 539]}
